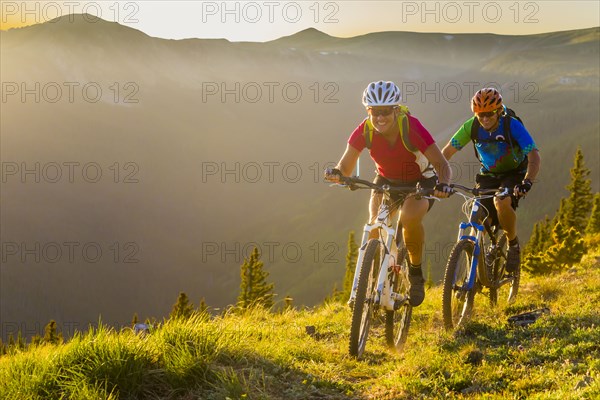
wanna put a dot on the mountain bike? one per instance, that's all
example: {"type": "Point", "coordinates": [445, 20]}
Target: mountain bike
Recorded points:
{"type": "Point", "coordinates": [380, 288]}
{"type": "Point", "coordinates": [477, 260]}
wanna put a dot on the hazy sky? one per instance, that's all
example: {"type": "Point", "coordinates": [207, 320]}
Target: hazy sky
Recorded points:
{"type": "Point", "coordinates": [268, 20]}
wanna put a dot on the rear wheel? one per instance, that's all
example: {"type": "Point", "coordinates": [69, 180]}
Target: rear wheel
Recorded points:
{"type": "Point", "coordinates": [504, 286]}
{"type": "Point", "coordinates": [457, 300]}
{"type": "Point", "coordinates": [397, 322]}
{"type": "Point", "coordinates": [362, 312]}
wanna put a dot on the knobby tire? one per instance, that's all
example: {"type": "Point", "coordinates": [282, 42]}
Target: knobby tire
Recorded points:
{"type": "Point", "coordinates": [499, 272]}
{"type": "Point", "coordinates": [362, 312]}
{"type": "Point", "coordinates": [457, 304]}
{"type": "Point", "coordinates": [397, 322]}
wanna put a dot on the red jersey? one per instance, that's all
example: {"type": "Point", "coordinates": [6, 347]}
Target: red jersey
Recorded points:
{"type": "Point", "coordinates": [397, 162]}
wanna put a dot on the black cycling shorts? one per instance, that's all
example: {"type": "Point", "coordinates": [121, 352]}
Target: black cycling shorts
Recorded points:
{"type": "Point", "coordinates": [499, 182]}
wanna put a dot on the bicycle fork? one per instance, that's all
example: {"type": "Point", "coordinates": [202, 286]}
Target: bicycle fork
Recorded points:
{"type": "Point", "coordinates": [383, 287]}
{"type": "Point", "coordinates": [475, 237]}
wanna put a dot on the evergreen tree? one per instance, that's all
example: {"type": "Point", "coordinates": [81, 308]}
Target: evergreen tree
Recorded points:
{"type": "Point", "coordinates": [533, 244]}
{"type": "Point", "coordinates": [541, 237]}
{"type": "Point", "coordinates": [20, 341]}
{"type": "Point", "coordinates": [37, 340]}
{"type": "Point", "coordinates": [254, 289]}
{"type": "Point", "coordinates": [182, 308]}
{"type": "Point", "coordinates": [202, 306]}
{"type": "Point", "coordinates": [580, 199]}
{"type": "Point", "coordinates": [11, 342]}
{"type": "Point", "coordinates": [134, 320]}
{"type": "Point", "coordinates": [593, 225]}
{"type": "Point", "coordinates": [351, 257]}
{"type": "Point", "coordinates": [536, 264]}
{"type": "Point", "coordinates": [50, 334]}
{"type": "Point", "coordinates": [567, 250]}
{"type": "Point", "coordinates": [560, 216]}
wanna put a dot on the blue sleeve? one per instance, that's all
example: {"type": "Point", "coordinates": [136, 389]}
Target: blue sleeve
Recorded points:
{"type": "Point", "coordinates": [522, 136]}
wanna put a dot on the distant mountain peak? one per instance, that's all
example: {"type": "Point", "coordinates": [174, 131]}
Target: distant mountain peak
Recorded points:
{"type": "Point", "coordinates": [312, 32]}
{"type": "Point", "coordinates": [83, 27]}
{"type": "Point", "coordinates": [306, 35]}
{"type": "Point", "coordinates": [78, 19]}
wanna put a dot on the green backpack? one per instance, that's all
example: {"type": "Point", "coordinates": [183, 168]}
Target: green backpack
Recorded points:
{"type": "Point", "coordinates": [426, 168]}
{"type": "Point", "coordinates": [403, 125]}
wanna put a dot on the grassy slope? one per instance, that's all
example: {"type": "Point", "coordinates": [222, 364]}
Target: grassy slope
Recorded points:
{"type": "Point", "coordinates": [270, 356]}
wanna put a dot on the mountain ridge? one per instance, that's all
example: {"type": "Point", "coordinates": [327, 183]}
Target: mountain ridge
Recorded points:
{"type": "Point", "coordinates": [88, 20]}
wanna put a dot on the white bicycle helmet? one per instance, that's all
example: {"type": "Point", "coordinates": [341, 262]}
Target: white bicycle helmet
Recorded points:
{"type": "Point", "coordinates": [381, 94]}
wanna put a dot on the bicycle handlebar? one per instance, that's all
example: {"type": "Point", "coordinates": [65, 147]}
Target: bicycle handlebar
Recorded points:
{"type": "Point", "coordinates": [478, 191]}
{"type": "Point", "coordinates": [354, 183]}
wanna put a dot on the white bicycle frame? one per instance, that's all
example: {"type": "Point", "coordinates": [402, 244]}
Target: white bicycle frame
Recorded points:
{"type": "Point", "coordinates": [384, 295]}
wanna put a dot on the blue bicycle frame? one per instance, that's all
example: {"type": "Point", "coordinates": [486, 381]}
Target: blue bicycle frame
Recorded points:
{"type": "Point", "coordinates": [477, 230]}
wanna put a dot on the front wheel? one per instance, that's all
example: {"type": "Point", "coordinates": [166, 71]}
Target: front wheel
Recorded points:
{"type": "Point", "coordinates": [397, 322]}
{"type": "Point", "coordinates": [362, 312]}
{"type": "Point", "coordinates": [457, 300]}
{"type": "Point", "coordinates": [504, 285]}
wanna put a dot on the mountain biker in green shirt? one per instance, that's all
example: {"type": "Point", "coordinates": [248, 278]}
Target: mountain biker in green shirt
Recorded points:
{"type": "Point", "coordinates": [506, 162]}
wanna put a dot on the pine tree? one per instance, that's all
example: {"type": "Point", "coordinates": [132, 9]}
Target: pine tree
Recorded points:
{"type": "Point", "coordinates": [533, 245]}
{"type": "Point", "coordinates": [182, 308]}
{"type": "Point", "coordinates": [536, 264]}
{"type": "Point", "coordinates": [541, 237]}
{"type": "Point", "coordinates": [546, 234]}
{"type": "Point", "coordinates": [20, 341]}
{"type": "Point", "coordinates": [254, 289]}
{"type": "Point", "coordinates": [202, 306]}
{"type": "Point", "coordinates": [560, 216]}
{"type": "Point", "coordinates": [37, 340]}
{"type": "Point", "coordinates": [593, 226]}
{"type": "Point", "coordinates": [351, 257]}
{"type": "Point", "coordinates": [11, 342]}
{"type": "Point", "coordinates": [50, 334]}
{"type": "Point", "coordinates": [567, 250]}
{"type": "Point", "coordinates": [580, 199]}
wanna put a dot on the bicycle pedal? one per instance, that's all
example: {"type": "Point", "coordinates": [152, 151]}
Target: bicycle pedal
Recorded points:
{"type": "Point", "coordinates": [398, 304]}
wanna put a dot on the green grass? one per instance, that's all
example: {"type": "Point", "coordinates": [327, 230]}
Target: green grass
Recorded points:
{"type": "Point", "coordinates": [259, 355]}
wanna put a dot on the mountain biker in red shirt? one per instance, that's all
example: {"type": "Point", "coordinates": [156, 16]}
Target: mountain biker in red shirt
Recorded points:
{"type": "Point", "coordinates": [403, 157]}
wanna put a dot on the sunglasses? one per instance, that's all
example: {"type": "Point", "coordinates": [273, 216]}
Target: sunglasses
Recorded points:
{"type": "Point", "coordinates": [383, 111]}
{"type": "Point", "coordinates": [488, 114]}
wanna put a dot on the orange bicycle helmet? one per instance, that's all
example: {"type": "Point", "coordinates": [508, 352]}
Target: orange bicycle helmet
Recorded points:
{"type": "Point", "coordinates": [486, 99]}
